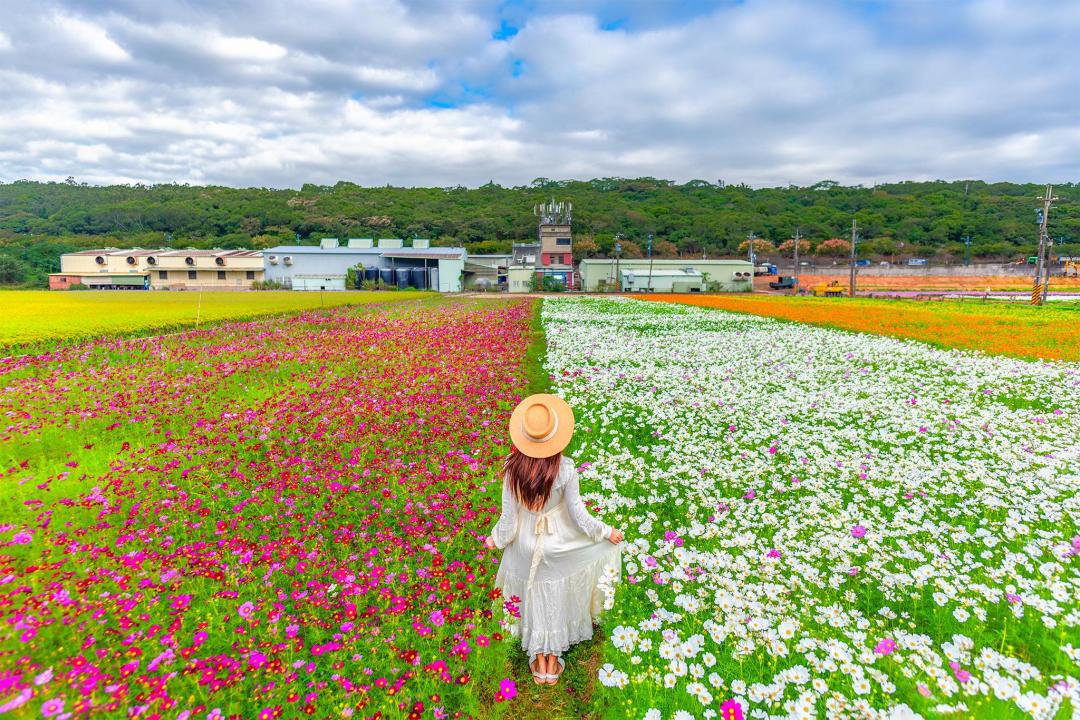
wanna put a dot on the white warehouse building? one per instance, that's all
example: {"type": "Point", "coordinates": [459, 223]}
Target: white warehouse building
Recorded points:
{"type": "Point", "coordinates": [326, 265]}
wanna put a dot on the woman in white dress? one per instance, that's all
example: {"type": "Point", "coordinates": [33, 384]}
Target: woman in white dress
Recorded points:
{"type": "Point", "coordinates": [555, 551]}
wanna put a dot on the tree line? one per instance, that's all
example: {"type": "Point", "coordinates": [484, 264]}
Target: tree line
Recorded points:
{"type": "Point", "coordinates": [39, 221]}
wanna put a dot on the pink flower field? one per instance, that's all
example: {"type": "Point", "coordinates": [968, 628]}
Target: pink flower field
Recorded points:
{"type": "Point", "coordinates": [264, 519]}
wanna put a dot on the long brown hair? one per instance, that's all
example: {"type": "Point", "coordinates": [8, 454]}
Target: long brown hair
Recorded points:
{"type": "Point", "coordinates": [531, 478]}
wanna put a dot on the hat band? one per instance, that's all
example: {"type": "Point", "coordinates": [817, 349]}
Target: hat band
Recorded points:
{"type": "Point", "coordinates": [554, 429]}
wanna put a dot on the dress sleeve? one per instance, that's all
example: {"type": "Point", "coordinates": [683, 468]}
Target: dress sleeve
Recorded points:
{"type": "Point", "coordinates": [588, 524]}
{"type": "Point", "coordinates": [504, 530]}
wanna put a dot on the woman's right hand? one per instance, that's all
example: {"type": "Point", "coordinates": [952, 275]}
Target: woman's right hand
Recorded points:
{"type": "Point", "coordinates": [616, 536]}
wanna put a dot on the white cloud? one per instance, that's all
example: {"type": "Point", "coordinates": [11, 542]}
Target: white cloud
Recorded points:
{"type": "Point", "coordinates": [244, 48]}
{"type": "Point", "coordinates": [87, 39]}
{"type": "Point", "coordinates": [273, 93]}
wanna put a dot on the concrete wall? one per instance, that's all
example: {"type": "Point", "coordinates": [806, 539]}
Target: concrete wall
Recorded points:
{"type": "Point", "coordinates": [595, 271]}
{"type": "Point", "coordinates": [449, 275]}
{"type": "Point", "coordinates": [519, 279]}
{"type": "Point", "coordinates": [995, 270]}
{"type": "Point", "coordinates": [204, 279]}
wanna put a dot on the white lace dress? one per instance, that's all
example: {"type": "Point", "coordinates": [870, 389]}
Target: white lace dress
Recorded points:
{"type": "Point", "coordinates": [554, 560]}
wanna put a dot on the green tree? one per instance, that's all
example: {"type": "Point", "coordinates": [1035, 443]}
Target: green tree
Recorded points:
{"type": "Point", "coordinates": [12, 272]}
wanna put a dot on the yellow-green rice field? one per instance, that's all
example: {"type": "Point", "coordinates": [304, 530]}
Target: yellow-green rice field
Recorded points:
{"type": "Point", "coordinates": [33, 318]}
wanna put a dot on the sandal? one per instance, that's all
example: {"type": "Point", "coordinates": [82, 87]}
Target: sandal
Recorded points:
{"type": "Point", "coordinates": [553, 678]}
{"type": "Point", "coordinates": [538, 677]}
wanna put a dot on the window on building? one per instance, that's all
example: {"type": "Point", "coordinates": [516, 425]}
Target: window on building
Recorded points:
{"type": "Point", "coordinates": [192, 274]}
{"type": "Point", "coordinates": [562, 241]}
{"type": "Point", "coordinates": [250, 274]}
{"type": "Point", "coordinates": [547, 259]}
{"type": "Point", "coordinates": [163, 274]}
{"type": "Point", "coordinates": [220, 274]}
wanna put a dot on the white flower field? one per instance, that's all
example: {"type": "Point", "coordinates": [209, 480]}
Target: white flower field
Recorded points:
{"type": "Point", "coordinates": [822, 523]}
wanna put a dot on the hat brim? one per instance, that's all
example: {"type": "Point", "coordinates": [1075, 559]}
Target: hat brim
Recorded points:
{"type": "Point", "coordinates": [553, 445]}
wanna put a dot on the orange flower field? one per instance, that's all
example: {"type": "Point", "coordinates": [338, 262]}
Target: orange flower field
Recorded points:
{"type": "Point", "coordinates": [936, 283]}
{"type": "Point", "coordinates": [1049, 333]}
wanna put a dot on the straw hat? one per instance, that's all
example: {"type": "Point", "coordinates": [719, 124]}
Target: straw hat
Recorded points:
{"type": "Point", "coordinates": [541, 425]}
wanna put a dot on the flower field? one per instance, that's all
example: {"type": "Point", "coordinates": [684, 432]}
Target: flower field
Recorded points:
{"type": "Point", "coordinates": [274, 518]}
{"type": "Point", "coordinates": [822, 523]}
{"type": "Point", "coordinates": [37, 318]}
{"type": "Point", "coordinates": [1048, 333]}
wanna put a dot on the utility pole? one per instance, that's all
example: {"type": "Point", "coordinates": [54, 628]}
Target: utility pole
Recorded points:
{"type": "Point", "coordinates": [851, 288]}
{"type": "Point", "coordinates": [618, 250]}
{"type": "Point", "coordinates": [967, 249]}
{"type": "Point", "coordinates": [650, 262]}
{"type": "Point", "coordinates": [1042, 262]}
{"type": "Point", "coordinates": [795, 290]}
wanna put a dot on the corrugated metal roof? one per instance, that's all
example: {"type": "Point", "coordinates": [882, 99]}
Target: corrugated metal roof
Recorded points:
{"type": "Point", "coordinates": [168, 252]}
{"type": "Point", "coordinates": [429, 254]}
{"type": "Point", "coordinates": [385, 252]}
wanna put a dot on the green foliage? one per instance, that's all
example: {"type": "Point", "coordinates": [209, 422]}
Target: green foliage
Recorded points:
{"type": "Point", "coordinates": [550, 284]}
{"type": "Point", "coordinates": [39, 221]}
{"type": "Point", "coordinates": [267, 285]}
{"type": "Point", "coordinates": [12, 272]}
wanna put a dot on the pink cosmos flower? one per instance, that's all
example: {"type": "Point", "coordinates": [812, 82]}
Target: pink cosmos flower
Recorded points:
{"type": "Point", "coordinates": [1013, 598]}
{"type": "Point", "coordinates": [885, 646]}
{"type": "Point", "coordinates": [750, 495]}
{"type": "Point", "coordinates": [44, 677]}
{"type": "Point", "coordinates": [245, 610]}
{"type": "Point", "coordinates": [962, 675]}
{"type": "Point", "coordinates": [731, 710]}
{"type": "Point", "coordinates": [773, 553]}
{"type": "Point", "coordinates": [22, 537]}
{"type": "Point", "coordinates": [18, 701]}
{"type": "Point", "coordinates": [508, 688]}
{"type": "Point", "coordinates": [858, 531]}
{"type": "Point", "coordinates": [52, 707]}
{"type": "Point", "coordinates": [923, 689]}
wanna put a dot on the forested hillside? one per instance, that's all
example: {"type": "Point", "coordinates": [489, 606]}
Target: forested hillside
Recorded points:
{"type": "Point", "coordinates": [38, 221]}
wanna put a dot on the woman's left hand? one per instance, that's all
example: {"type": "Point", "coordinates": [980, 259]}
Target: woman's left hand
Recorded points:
{"type": "Point", "coordinates": [489, 543]}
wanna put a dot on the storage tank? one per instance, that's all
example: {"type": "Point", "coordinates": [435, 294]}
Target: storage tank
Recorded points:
{"type": "Point", "coordinates": [403, 276]}
{"type": "Point", "coordinates": [419, 278]}
{"type": "Point", "coordinates": [371, 273]}
{"type": "Point", "coordinates": [387, 275]}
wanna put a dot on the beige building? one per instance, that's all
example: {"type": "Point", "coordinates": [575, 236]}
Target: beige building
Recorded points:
{"type": "Point", "coordinates": [556, 242]}
{"type": "Point", "coordinates": [163, 269]}
{"type": "Point", "coordinates": [520, 279]}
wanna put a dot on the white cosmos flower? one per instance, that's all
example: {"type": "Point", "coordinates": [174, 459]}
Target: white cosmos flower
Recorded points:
{"type": "Point", "coordinates": [961, 468]}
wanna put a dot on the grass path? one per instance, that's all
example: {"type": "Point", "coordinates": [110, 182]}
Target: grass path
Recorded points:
{"type": "Point", "coordinates": [572, 695]}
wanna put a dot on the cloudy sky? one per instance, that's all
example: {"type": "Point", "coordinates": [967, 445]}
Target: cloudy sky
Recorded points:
{"type": "Point", "coordinates": [427, 92]}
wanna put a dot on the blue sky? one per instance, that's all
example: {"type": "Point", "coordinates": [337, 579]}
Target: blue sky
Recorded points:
{"type": "Point", "coordinates": [439, 93]}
